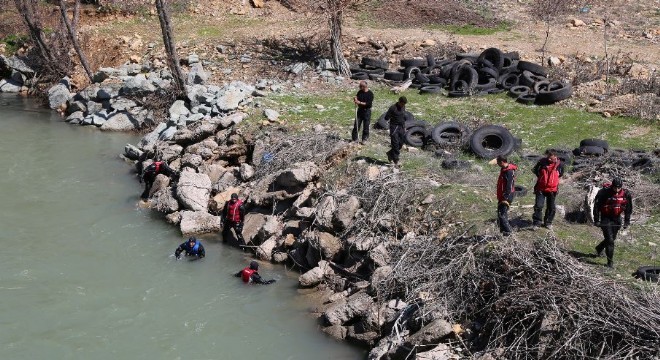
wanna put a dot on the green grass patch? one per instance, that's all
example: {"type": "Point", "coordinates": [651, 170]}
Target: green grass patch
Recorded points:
{"type": "Point", "coordinates": [15, 42]}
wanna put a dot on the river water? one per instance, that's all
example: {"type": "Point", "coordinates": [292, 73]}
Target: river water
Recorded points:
{"type": "Point", "coordinates": [86, 274]}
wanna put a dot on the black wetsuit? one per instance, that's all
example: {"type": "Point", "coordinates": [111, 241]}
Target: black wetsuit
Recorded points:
{"type": "Point", "coordinates": [363, 115]}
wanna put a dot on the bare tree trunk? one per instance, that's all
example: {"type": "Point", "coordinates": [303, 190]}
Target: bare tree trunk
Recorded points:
{"type": "Point", "coordinates": [545, 43]}
{"type": "Point", "coordinates": [170, 49]}
{"type": "Point", "coordinates": [27, 10]}
{"type": "Point", "coordinates": [607, 58]}
{"type": "Point", "coordinates": [336, 19]}
{"type": "Point", "coordinates": [74, 38]}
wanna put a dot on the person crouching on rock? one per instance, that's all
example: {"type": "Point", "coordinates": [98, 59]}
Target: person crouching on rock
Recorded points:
{"type": "Point", "coordinates": [251, 275]}
{"type": "Point", "coordinates": [233, 215]}
{"type": "Point", "coordinates": [149, 175]}
{"type": "Point", "coordinates": [192, 247]}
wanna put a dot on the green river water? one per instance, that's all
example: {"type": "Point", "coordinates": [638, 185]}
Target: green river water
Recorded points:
{"type": "Point", "coordinates": [87, 274]}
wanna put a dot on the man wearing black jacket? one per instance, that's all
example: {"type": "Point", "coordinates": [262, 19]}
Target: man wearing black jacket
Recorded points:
{"type": "Point", "coordinates": [611, 202]}
{"type": "Point", "coordinates": [363, 100]}
{"type": "Point", "coordinates": [251, 275]}
{"type": "Point", "coordinates": [396, 115]}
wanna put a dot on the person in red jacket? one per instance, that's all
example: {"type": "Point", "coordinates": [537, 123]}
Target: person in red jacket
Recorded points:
{"type": "Point", "coordinates": [612, 201]}
{"type": "Point", "coordinates": [251, 275]}
{"type": "Point", "coordinates": [505, 191]}
{"type": "Point", "coordinates": [233, 215]}
{"type": "Point", "coordinates": [548, 170]}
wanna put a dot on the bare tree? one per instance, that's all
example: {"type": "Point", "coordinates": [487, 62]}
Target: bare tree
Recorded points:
{"type": "Point", "coordinates": [335, 11]}
{"type": "Point", "coordinates": [73, 37]}
{"type": "Point", "coordinates": [548, 11]}
{"type": "Point", "coordinates": [170, 48]}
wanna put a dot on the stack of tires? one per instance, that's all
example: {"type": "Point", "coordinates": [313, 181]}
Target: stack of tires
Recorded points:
{"type": "Point", "coordinates": [489, 72]}
{"type": "Point", "coordinates": [369, 69]}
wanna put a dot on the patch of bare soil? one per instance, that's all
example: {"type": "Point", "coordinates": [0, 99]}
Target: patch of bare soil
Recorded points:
{"type": "Point", "coordinates": [430, 12]}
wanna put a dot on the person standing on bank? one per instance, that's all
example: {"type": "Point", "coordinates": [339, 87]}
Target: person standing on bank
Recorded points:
{"type": "Point", "coordinates": [612, 201]}
{"type": "Point", "coordinates": [548, 170]}
{"type": "Point", "coordinates": [396, 115]}
{"type": "Point", "coordinates": [233, 215]}
{"type": "Point", "coordinates": [505, 191]}
{"type": "Point", "coordinates": [363, 100]}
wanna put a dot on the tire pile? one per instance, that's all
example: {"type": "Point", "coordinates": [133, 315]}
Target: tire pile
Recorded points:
{"type": "Point", "coordinates": [489, 72]}
{"type": "Point", "coordinates": [486, 142]}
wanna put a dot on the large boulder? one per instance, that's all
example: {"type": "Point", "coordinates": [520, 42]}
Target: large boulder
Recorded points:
{"type": "Point", "coordinates": [199, 222]}
{"type": "Point", "coordinates": [193, 190]}
{"type": "Point", "coordinates": [164, 201]}
{"type": "Point", "coordinates": [58, 95]}
{"type": "Point", "coordinates": [252, 225]}
{"type": "Point", "coordinates": [432, 333]}
{"type": "Point", "coordinates": [272, 226]}
{"type": "Point", "coordinates": [178, 109]}
{"type": "Point", "coordinates": [160, 182]}
{"type": "Point", "coordinates": [298, 176]}
{"type": "Point", "coordinates": [233, 119]}
{"type": "Point", "coordinates": [325, 211]}
{"type": "Point", "coordinates": [345, 213]}
{"type": "Point", "coordinates": [325, 244]}
{"type": "Point", "coordinates": [10, 86]}
{"type": "Point", "coordinates": [343, 311]}
{"type": "Point", "coordinates": [316, 275]}
{"type": "Point", "coordinates": [120, 122]}
{"type": "Point", "coordinates": [230, 99]}
{"type": "Point", "coordinates": [265, 250]}
{"type": "Point", "coordinates": [15, 63]}
{"type": "Point", "coordinates": [197, 75]}
{"type": "Point", "coordinates": [246, 171]}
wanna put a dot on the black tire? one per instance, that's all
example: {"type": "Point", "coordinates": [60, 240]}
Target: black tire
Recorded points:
{"type": "Point", "coordinates": [513, 55]}
{"type": "Point", "coordinates": [491, 84]}
{"type": "Point", "coordinates": [520, 190]}
{"type": "Point", "coordinates": [415, 123]}
{"type": "Point", "coordinates": [590, 150]}
{"type": "Point", "coordinates": [495, 90]}
{"type": "Point", "coordinates": [487, 73]}
{"type": "Point", "coordinates": [518, 90]}
{"type": "Point", "coordinates": [408, 116]}
{"type": "Point", "coordinates": [377, 63]}
{"type": "Point", "coordinates": [467, 74]}
{"type": "Point", "coordinates": [648, 273]}
{"type": "Point", "coordinates": [376, 76]}
{"type": "Point", "coordinates": [449, 133]}
{"type": "Point", "coordinates": [461, 86]}
{"type": "Point", "coordinates": [491, 141]}
{"type": "Point", "coordinates": [532, 158]}
{"type": "Point", "coordinates": [528, 79]}
{"type": "Point", "coordinates": [373, 71]}
{"type": "Point", "coordinates": [437, 80]}
{"type": "Point", "coordinates": [430, 60]}
{"type": "Point", "coordinates": [595, 142]}
{"type": "Point", "coordinates": [413, 62]}
{"type": "Point", "coordinates": [533, 68]}
{"type": "Point", "coordinates": [526, 99]}
{"type": "Point", "coordinates": [552, 96]}
{"type": "Point", "coordinates": [541, 86]}
{"type": "Point", "coordinates": [456, 94]}
{"type": "Point", "coordinates": [421, 78]}
{"type": "Point", "coordinates": [495, 56]}
{"type": "Point", "coordinates": [508, 81]}
{"type": "Point", "coordinates": [360, 76]}
{"type": "Point", "coordinates": [410, 72]}
{"type": "Point", "coordinates": [416, 136]}
{"type": "Point", "coordinates": [471, 57]}
{"type": "Point", "coordinates": [430, 89]}
{"type": "Point", "coordinates": [382, 123]}
{"type": "Point", "coordinates": [393, 75]}
{"type": "Point", "coordinates": [455, 164]}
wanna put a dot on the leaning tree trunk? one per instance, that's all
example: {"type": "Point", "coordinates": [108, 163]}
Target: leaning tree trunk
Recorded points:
{"type": "Point", "coordinates": [170, 49]}
{"type": "Point", "coordinates": [71, 29]}
{"type": "Point", "coordinates": [336, 19]}
{"type": "Point", "coordinates": [27, 10]}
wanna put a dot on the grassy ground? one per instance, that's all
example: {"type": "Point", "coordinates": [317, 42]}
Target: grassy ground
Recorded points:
{"type": "Point", "coordinates": [472, 191]}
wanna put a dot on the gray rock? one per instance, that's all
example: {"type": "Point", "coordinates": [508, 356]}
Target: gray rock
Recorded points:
{"type": "Point", "coordinates": [298, 176]}
{"type": "Point", "coordinates": [271, 114]}
{"type": "Point", "coordinates": [173, 218]}
{"type": "Point", "coordinates": [198, 222]}
{"type": "Point", "coordinates": [147, 142]}
{"type": "Point", "coordinates": [132, 152]}
{"type": "Point", "coordinates": [193, 58]}
{"type": "Point", "coordinates": [246, 172]}
{"type": "Point", "coordinates": [58, 95]}
{"type": "Point", "coordinates": [297, 68]}
{"type": "Point", "coordinates": [16, 64]}
{"type": "Point", "coordinates": [325, 210]}
{"type": "Point", "coordinates": [75, 118]}
{"type": "Point", "coordinates": [265, 250]}
{"type": "Point", "coordinates": [193, 190]}
{"type": "Point", "coordinates": [432, 333]}
{"type": "Point", "coordinates": [325, 244]}
{"type": "Point", "coordinates": [9, 86]}
{"type": "Point", "coordinates": [259, 93]}
{"type": "Point", "coordinates": [122, 104]}
{"type": "Point", "coordinates": [202, 109]}
{"type": "Point", "coordinates": [131, 69]}
{"type": "Point", "coordinates": [164, 201]}
{"type": "Point", "coordinates": [170, 153]}
{"type": "Point", "coordinates": [232, 119]}
{"type": "Point", "coordinates": [98, 121]}
{"type": "Point", "coordinates": [272, 227]}
{"type": "Point", "coordinates": [93, 107]}
{"type": "Point", "coordinates": [305, 212]}
{"type": "Point", "coordinates": [316, 275]}
{"type": "Point", "coordinates": [120, 122]}
{"type": "Point", "coordinates": [197, 75]}
{"type": "Point", "coordinates": [192, 160]}
{"type": "Point", "coordinates": [245, 59]}
{"type": "Point", "coordinates": [104, 94]}
{"type": "Point", "coordinates": [76, 106]}
{"type": "Point", "coordinates": [251, 226]}
{"type": "Point", "coordinates": [346, 211]}
{"type": "Point", "coordinates": [343, 311]}
{"type": "Point", "coordinates": [440, 352]}
{"type": "Point", "coordinates": [379, 276]}
{"type": "Point", "coordinates": [178, 109]}
{"type": "Point", "coordinates": [161, 182]}
{"type": "Point", "coordinates": [167, 134]}
{"type": "Point", "coordinates": [379, 255]}
{"type": "Point", "coordinates": [222, 49]}
{"type": "Point", "coordinates": [231, 99]}
{"type": "Point", "coordinates": [137, 85]}
{"type": "Point", "coordinates": [336, 331]}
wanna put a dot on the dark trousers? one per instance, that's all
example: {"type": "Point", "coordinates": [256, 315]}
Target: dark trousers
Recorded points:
{"type": "Point", "coordinates": [610, 228]}
{"type": "Point", "coordinates": [363, 119]}
{"type": "Point", "coordinates": [503, 218]}
{"type": "Point", "coordinates": [397, 134]}
{"type": "Point", "coordinates": [238, 230]}
{"type": "Point", "coordinates": [549, 199]}
{"type": "Point", "coordinates": [148, 183]}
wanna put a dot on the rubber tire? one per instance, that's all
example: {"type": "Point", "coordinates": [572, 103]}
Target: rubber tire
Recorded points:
{"type": "Point", "coordinates": [591, 150]}
{"type": "Point", "coordinates": [492, 133]}
{"type": "Point", "coordinates": [467, 74]}
{"type": "Point", "coordinates": [413, 135]}
{"type": "Point", "coordinates": [488, 73]}
{"type": "Point", "coordinates": [518, 90]}
{"type": "Point", "coordinates": [533, 68]}
{"type": "Point", "coordinates": [595, 142]}
{"type": "Point", "coordinates": [460, 86]}
{"type": "Point", "coordinates": [360, 76]}
{"type": "Point", "coordinates": [393, 75]}
{"type": "Point", "coordinates": [552, 96]}
{"type": "Point", "coordinates": [437, 80]}
{"type": "Point", "coordinates": [455, 164]}
{"type": "Point", "coordinates": [495, 56]}
{"type": "Point", "coordinates": [648, 273]}
{"type": "Point", "coordinates": [430, 60]}
{"type": "Point", "coordinates": [382, 123]}
{"type": "Point", "coordinates": [376, 76]}
{"type": "Point", "coordinates": [520, 190]}
{"type": "Point", "coordinates": [421, 78]}
{"type": "Point", "coordinates": [430, 89]}
{"type": "Point", "coordinates": [495, 90]}
{"type": "Point", "coordinates": [449, 127]}
{"type": "Point", "coordinates": [409, 71]}
{"type": "Point", "coordinates": [526, 99]}
{"type": "Point", "coordinates": [413, 62]}
{"type": "Point", "coordinates": [457, 94]}
{"type": "Point", "coordinates": [491, 84]}
{"type": "Point", "coordinates": [471, 57]}
{"type": "Point", "coordinates": [415, 122]}
{"type": "Point", "coordinates": [527, 78]}
{"type": "Point", "coordinates": [377, 63]}
{"type": "Point", "coordinates": [508, 81]}
{"type": "Point", "coordinates": [541, 86]}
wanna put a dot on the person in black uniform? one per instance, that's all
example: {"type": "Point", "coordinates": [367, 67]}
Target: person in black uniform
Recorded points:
{"type": "Point", "coordinates": [192, 247]}
{"type": "Point", "coordinates": [363, 100]}
{"type": "Point", "coordinates": [149, 175]}
{"type": "Point", "coordinates": [611, 202]}
{"type": "Point", "coordinates": [396, 115]}
{"type": "Point", "coordinates": [251, 275]}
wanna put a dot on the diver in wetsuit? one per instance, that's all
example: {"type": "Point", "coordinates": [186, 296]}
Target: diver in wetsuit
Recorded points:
{"type": "Point", "coordinates": [192, 247]}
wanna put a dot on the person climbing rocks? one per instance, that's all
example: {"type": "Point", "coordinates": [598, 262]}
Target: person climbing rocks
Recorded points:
{"type": "Point", "coordinates": [233, 214]}
{"type": "Point", "coordinates": [611, 202]}
{"type": "Point", "coordinates": [192, 247]}
{"type": "Point", "coordinates": [505, 192]}
{"type": "Point", "coordinates": [251, 275]}
{"type": "Point", "coordinates": [548, 170]}
{"type": "Point", "coordinates": [396, 115]}
{"type": "Point", "coordinates": [363, 100]}
{"type": "Point", "coordinates": [149, 175]}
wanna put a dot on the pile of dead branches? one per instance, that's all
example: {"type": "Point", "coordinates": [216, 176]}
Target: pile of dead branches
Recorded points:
{"type": "Point", "coordinates": [524, 300]}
